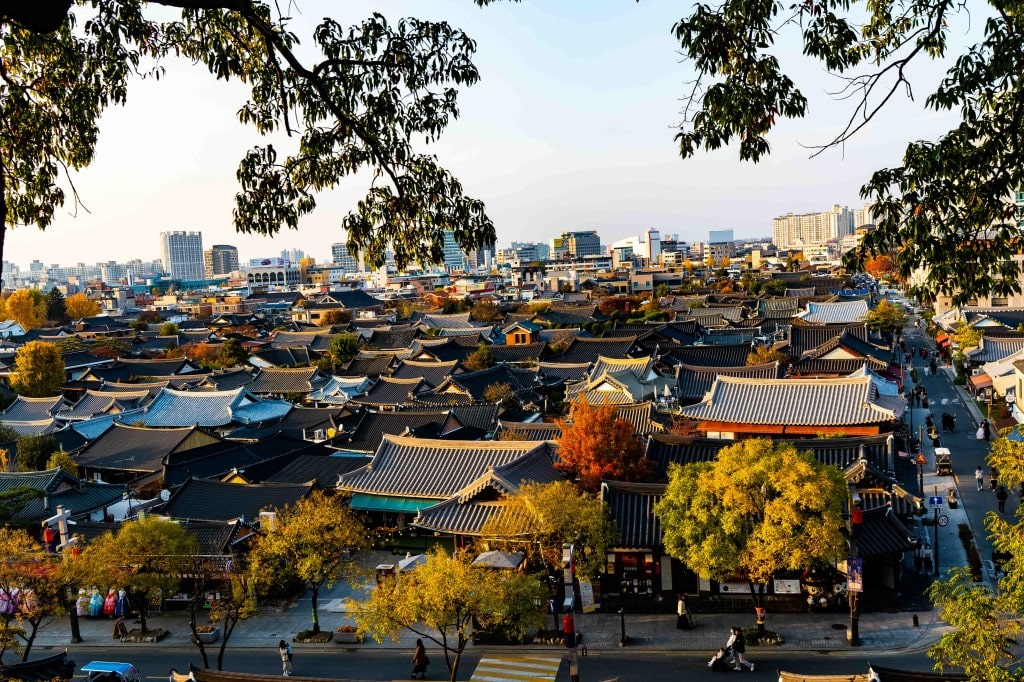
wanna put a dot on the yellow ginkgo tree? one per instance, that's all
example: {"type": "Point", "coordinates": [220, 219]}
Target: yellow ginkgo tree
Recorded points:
{"type": "Point", "coordinates": [758, 509]}
{"type": "Point", "coordinates": [314, 541]}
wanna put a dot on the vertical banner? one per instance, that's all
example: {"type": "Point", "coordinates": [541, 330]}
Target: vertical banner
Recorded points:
{"type": "Point", "coordinates": [855, 575]}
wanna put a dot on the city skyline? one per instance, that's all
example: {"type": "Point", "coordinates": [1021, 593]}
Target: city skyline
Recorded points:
{"type": "Point", "coordinates": [560, 134]}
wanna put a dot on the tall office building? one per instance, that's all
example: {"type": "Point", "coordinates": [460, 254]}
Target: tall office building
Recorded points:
{"type": "Point", "coordinates": [349, 264]}
{"type": "Point", "coordinates": [721, 245]}
{"type": "Point", "coordinates": [182, 254]}
{"type": "Point", "coordinates": [584, 243]}
{"type": "Point", "coordinates": [220, 259]}
{"type": "Point", "coordinates": [796, 231]}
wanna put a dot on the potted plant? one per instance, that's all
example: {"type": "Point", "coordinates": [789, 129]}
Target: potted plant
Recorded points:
{"type": "Point", "coordinates": [346, 634]}
{"type": "Point", "coordinates": [208, 634]}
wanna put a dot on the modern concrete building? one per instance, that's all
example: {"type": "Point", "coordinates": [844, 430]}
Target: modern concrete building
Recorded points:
{"type": "Point", "coordinates": [220, 259]}
{"type": "Point", "coordinates": [642, 249]}
{"type": "Point", "coordinates": [721, 245]}
{"type": "Point", "coordinates": [182, 254]}
{"type": "Point", "coordinates": [583, 243]}
{"type": "Point", "coordinates": [345, 260]}
{"type": "Point", "coordinates": [796, 231]}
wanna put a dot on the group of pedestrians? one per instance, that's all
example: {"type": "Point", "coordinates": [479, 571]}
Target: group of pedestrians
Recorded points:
{"type": "Point", "coordinates": [420, 661]}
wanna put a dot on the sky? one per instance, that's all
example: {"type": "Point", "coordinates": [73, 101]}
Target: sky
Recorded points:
{"type": "Point", "coordinates": [570, 127]}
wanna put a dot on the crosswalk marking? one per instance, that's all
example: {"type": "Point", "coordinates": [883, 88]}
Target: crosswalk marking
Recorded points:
{"type": "Point", "coordinates": [516, 668]}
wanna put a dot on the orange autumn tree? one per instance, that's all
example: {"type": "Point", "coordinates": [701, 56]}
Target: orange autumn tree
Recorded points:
{"type": "Point", "coordinates": [879, 266]}
{"type": "Point", "coordinates": [596, 445]}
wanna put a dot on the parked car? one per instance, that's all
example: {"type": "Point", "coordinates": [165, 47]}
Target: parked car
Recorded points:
{"type": "Point", "coordinates": [106, 671]}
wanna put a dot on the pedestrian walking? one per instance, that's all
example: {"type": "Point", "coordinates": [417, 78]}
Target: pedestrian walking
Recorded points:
{"type": "Point", "coordinates": [993, 478]}
{"type": "Point", "coordinates": [419, 661]}
{"type": "Point", "coordinates": [979, 477]}
{"type": "Point", "coordinates": [738, 648]}
{"type": "Point", "coordinates": [986, 429]}
{"type": "Point", "coordinates": [918, 556]}
{"type": "Point", "coordinates": [285, 650]}
{"type": "Point", "coordinates": [683, 620]}
{"type": "Point", "coordinates": [926, 555]}
{"type": "Point", "coordinates": [1001, 496]}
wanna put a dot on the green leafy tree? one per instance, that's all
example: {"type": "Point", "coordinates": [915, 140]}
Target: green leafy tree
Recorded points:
{"type": "Point", "coordinates": [39, 370]}
{"type": "Point", "coordinates": [27, 307]}
{"type": "Point", "coordinates": [341, 348]}
{"type": "Point", "coordinates": [596, 445]}
{"type": "Point", "coordinates": [109, 347]}
{"type": "Point", "coordinates": [34, 452]}
{"type": "Point", "coordinates": [333, 317]}
{"type": "Point", "coordinates": [138, 326]}
{"type": "Point", "coordinates": [758, 509]}
{"type": "Point", "coordinates": [762, 355]}
{"type": "Point", "coordinates": [55, 308]}
{"type": "Point", "coordinates": [481, 358]}
{"type": "Point", "coordinates": [146, 557]}
{"type": "Point", "coordinates": [540, 517]}
{"type": "Point", "coordinates": [235, 602]}
{"type": "Point", "coordinates": [967, 336]}
{"type": "Point", "coordinates": [231, 354]}
{"type": "Point", "coordinates": [486, 311]}
{"type": "Point", "coordinates": [14, 500]}
{"type": "Point", "coordinates": [63, 459]}
{"type": "Point", "coordinates": [500, 393]}
{"type": "Point", "coordinates": [168, 329]}
{"type": "Point", "coordinates": [886, 318]}
{"type": "Point", "coordinates": [315, 541]}
{"type": "Point", "coordinates": [356, 98]}
{"type": "Point", "coordinates": [446, 599]}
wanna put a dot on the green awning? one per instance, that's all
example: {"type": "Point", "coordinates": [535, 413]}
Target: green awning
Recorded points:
{"type": "Point", "coordinates": [389, 503]}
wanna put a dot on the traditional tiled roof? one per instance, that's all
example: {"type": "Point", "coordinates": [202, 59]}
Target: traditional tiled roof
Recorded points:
{"type": "Point", "coordinates": [433, 373]}
{"type": "Point", "coordinates": [339, 390]}
{"type": "Point", "coordinates": [808, 366]}
{"type": "Point", "coordinates": [135, 448]}
{"type": "Point", "coordinates": [78, 496]}
{"type": "Point", "coordinates": [804, 337]}
{"type": "Point", "coordinates": [732, 355]}
{"type": "Point", "coordinates": [278, 381]}
{"type": "Point", "coordinates": [104, 402]}
{"type": "Point", "coordinates": [730, 313]}
{"type": "Point", "coordinates": [390, 392]}
{"type": "Point", "coordinates": [848, 344]}
{"type": "Point", "coordinates": [351, 299]}
{"type": "Point", "coordinates": [215, 501]}
{"type": "Point", "coordinates": [283, 357]}
{"type": "Point", "coordinates": [54, 667]}
{"type": "Point", "coordinates": [368, 432]}
{"type": "Point", "coordinates": [211, 408]}
{"type": "Point", "coordinates": [369, 366]}
{"type": "Point", "coordinates": [882, 534]}
{"type": "Point", "coordinates": [884, 385]}
{"type": "Point", "coordinates": [392, 339]}
{"type": "Point", "coordinates": [325, 470]}
{"type": "Point", "coordinates": [839, 312]}
{"type": "Point", "coordinates": [299, 339]}
{"type": "Point", "coordinates": [704, 319]}
{"type": "Point", "coordinates": [589, 350]}
{"type": "Point", "coordinates": [228, 379]}
{"type": "Point", "coordinates": [466, 512]}
{"type": "Point", "coordinates": [569, 371]}
{"type": "Point", "coordinates": [527, 353]}
{"type": "Point", "coordinates": [568, 315]}
{"type": "Point", "coordinates": [437, 469]}
{"type": "Point", "coordinates": [452, 321]}
{"type": "Point", "coordinates": [521, 381]}
{"type": "Point", "coordinates": [692, 381]}
{"type": "Point", "coordinates": [641, 368]}
{"type": "Point", "coordinates": [83, 358]}
{"type": "Point", "coordinates": [533, 430]}
{"type": "Point", "coordinates": [147, 368]}
{"type": "Point", "coordinates": [666, 449]}
{"type": "Point", "coordinates": [631, 505]}
{"type": "Point", "coordinates": [877, 489]}
{"type": "Point", "coordinates": [993, 349]}
{"type": "Point", "coordinates": [32, 409]}
{"type": "Point", "coordinates": [801, 402]}
{"type": "Point", "coordinates": [253, 460]}
{"type": "Point", "coordinates": [781, 308]}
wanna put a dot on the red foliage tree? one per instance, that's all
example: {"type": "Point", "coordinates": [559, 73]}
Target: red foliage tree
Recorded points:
{"type": "Point", "coordinates": [596, 445]}
{"type": "Point", "coordinates": [879, 266]}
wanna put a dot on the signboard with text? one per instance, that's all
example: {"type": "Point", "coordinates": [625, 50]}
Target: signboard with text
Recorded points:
{"type": "Point", "coordinates": [855, 575]}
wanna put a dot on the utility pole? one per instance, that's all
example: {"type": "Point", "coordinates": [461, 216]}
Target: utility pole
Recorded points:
{"type": "Point", "coordinates": [568, 621]}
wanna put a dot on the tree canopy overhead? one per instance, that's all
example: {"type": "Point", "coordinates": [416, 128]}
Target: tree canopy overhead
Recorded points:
{"type": "Point", "coordinates": [371, 94]}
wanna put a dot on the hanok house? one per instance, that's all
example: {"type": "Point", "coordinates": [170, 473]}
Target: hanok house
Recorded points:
{"type": "Point", "coordinates": [738, 407]}
{"type": "Point", "coordinates": [409, 475]}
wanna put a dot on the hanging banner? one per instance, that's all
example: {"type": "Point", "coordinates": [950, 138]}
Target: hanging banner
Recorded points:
{"type": "Point", "coordinates": [855, 575]}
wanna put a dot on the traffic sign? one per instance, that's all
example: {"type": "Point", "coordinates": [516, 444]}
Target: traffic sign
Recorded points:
{"type": "Point", "coordinates": [943, 520]}
{"type": "Point", "coordinates": [921, 460]}
{"type": "Point", "coordinates": [935, 500]}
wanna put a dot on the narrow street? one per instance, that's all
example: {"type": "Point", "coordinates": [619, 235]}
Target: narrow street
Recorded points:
{"type": "Point", "coordinates": [967, 451]}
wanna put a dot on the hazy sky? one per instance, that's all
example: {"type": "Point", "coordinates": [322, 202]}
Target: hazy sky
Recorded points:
{"type": "Point", "coordinates": [570, 127]}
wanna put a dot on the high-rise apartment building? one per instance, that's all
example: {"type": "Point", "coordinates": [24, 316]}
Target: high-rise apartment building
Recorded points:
{"type": "Point", "coordinates": [220, 259]}
{"type": "Point", "coordinates": [349, 264]}
{"type": "Point", "coordinates": [806, 229]}
{"type": "Point", "coordinates": [182, 254]}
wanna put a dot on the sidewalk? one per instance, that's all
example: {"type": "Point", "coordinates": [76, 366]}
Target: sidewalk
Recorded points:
{"type": "Point", "coordinates": [649, 632]}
